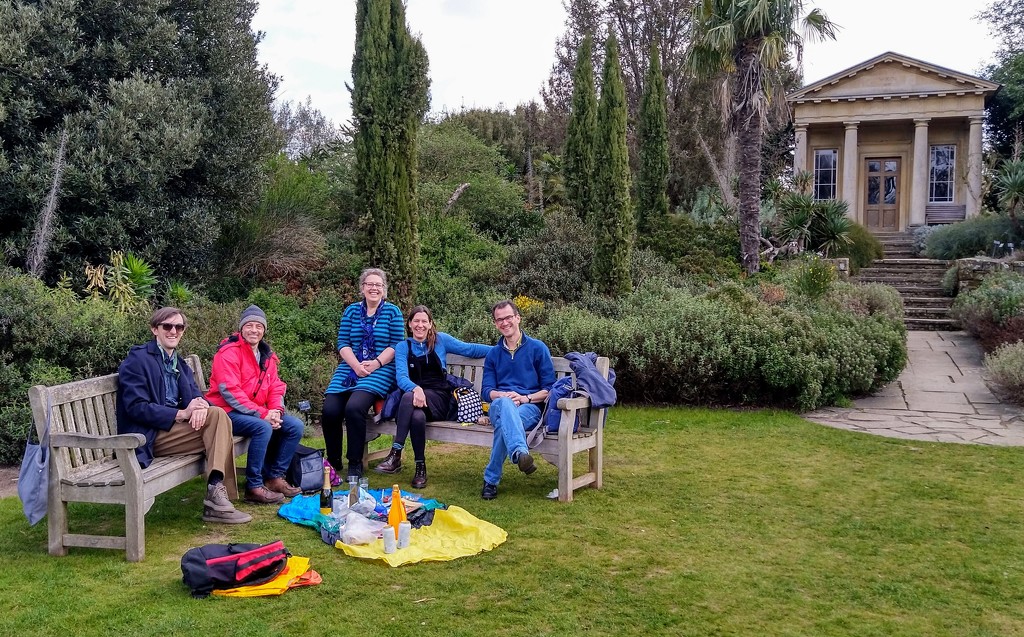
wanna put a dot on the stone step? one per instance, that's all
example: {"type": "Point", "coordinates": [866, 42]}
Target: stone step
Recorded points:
{"type": "Point", "coordinates": [916, 324]}
{"type": "Point", "coordinates": [926, 301]}
{"type": "Point", "coordinates": [898, 243]}
{"type": "Point", "coordinates": [902, 273]}
{"type": "Point", "coordinates": [900, 281]}
{"type": "Point", "coordinates": [910, 291]}
{"type": "Point", "coordinates": [925, 312]}
{"type": "Point", "coordinates": [913, 263]}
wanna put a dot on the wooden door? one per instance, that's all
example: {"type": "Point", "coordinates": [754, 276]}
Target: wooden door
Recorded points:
{"type": "Point", "coordinates": [882, 203]}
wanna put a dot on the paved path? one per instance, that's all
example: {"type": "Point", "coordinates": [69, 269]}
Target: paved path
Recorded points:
{"type": "Point", "coordinates": [940, 397]}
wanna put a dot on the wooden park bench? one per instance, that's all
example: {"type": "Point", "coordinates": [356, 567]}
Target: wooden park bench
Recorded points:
{"type": "Point", "coordinates": [935, 213]}
{"type": "Point", "coordinates": [91, 462]}
{"type": "Point", "coordinates": [557, 448]}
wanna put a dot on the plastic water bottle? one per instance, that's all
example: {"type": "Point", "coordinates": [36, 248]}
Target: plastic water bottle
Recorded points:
{"type": "Point", "coordinates": [353, 491]}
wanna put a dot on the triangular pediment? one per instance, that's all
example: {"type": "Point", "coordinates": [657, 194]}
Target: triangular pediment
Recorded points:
{"type": "Point", "coordinates": [892, 75]}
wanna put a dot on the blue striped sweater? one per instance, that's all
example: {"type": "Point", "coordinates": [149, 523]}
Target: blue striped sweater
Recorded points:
{"type": "Point", "coordinates": [388, 332]}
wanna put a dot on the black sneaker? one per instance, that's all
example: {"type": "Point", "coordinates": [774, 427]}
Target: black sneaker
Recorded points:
{"type": "Point", "coordinates": [489, 492]}
{"type": "Point", "coordinates": [525, 462]}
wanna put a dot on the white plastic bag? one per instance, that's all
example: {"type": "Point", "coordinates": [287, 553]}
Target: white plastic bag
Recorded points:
{"type": "Point", "coordinates": [360, 530]}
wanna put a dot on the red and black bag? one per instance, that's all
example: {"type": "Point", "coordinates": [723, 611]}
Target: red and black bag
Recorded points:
{"type": "Point", "coordinates": [213, 566]}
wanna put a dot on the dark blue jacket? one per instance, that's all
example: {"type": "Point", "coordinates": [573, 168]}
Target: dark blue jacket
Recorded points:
{"type": "Point", "coordinates": [602, 392]}
{"type": "Point", "coordinates": [140, 396]}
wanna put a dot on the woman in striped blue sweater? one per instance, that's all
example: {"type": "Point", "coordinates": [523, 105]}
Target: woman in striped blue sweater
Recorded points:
{"type": "Point", "coordinates": [369, 331]}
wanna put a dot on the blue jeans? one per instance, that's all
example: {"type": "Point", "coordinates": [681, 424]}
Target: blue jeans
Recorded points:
{"type": "Point", "coordinates": [270, 450]}
{"type": "Point", "coordinates": [510, 425]}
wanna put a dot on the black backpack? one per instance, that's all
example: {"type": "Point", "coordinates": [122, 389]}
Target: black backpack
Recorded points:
{"type": "Point", "coordinates": [218, 566]}
{"type": "Point", "coordinates": [306, 470]}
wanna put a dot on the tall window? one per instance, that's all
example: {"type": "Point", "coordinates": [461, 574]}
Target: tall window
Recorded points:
{"type": "Point", "coordinates": [825, 162]}
{"type": "Point", "coordinates": [941, 164]}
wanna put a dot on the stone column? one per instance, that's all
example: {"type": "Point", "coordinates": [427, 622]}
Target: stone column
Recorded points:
{"type": "Point", "coordinates": [973, 199]}
{"type": "Point", "coordinates": [919, 183]}
{"type": "Point", "coordinates": [800, 151]}
{"type": "Point", "coordinates": [851, 190]}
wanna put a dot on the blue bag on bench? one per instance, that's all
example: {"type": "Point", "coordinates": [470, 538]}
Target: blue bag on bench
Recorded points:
{"type": "Point", "coordinates": [563, 388]}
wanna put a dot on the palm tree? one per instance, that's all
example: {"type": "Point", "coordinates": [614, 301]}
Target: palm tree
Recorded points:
{"type": "Point", "coordinates": [749, 41]}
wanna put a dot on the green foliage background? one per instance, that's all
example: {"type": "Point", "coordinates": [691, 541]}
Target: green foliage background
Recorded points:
{"type": "Point", "coordinates": [168, 116]}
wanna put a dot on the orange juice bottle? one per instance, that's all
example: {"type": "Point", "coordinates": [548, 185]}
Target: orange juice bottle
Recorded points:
{"type": "Point", "coordinates": [396, 514]}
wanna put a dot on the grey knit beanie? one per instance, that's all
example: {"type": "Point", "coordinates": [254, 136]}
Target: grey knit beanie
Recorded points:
{"type": "Point", "coordinates": [253, 313]}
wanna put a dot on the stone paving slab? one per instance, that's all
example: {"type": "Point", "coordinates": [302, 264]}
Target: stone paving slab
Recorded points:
{"type": "Point", "coordinates": [940, 397]}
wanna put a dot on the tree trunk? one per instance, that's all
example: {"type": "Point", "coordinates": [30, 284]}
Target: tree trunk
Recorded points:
{"type": "Point", "coordinates": [748, 140]}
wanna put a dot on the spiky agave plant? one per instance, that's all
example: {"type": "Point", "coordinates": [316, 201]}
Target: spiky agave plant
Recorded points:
{"type": "Point", "coordinates": [830, 229]}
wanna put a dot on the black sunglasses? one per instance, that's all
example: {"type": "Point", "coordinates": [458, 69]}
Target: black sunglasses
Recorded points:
{"type": "Point", "coordinates": [168, 327]}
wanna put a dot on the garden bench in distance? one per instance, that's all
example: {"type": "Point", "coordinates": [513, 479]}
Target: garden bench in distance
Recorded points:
{"type": "Point", "coordinates": [557, 448]}
{"type": "Point", "coordinates": [944, 213]}
{"type": "Point", "coordinates": [91, 462]}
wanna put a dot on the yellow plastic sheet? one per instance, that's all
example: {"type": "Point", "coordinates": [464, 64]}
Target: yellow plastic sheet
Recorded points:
{"type": "Point", "coordinates": [454, 533]}
{"type": "Point", "coordinates": [295, 568]}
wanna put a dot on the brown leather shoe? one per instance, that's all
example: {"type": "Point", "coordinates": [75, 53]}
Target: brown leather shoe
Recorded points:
{"type": "Point", "coordinates": [280, 485]}
{"type": "Point", "coordinates": [263, 495]}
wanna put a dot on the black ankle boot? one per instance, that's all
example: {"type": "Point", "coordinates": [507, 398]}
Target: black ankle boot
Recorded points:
{"type": "Point", "coordinates": [391, 464]}
{"type": "Point", "coordinates": [419, 479]}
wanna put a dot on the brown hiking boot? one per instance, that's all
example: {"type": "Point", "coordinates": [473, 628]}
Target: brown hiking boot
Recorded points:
{"type": "Point", "coordinates": [525, 462]}
{"type": "Point", "coordinates": [217, 498]}
{"type": "Point", "coordinates": [263, 495]}
{"type": "Point", "coordinates": [280, 485]}
{"type": "Point", "coordinates": [225, 517]}
{"type": "Point", "coordinates": [391, 464]}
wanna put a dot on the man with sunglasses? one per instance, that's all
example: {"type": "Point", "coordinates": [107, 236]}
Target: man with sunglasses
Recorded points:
{"type": "Point", "coordinates": [158, 398]}
{"type": "Point", "coordinates": [517, 376]}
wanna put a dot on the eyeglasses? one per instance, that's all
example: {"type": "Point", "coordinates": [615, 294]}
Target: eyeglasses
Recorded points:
{"type": "Point", "coordinates": [172, 327]}
{"type": "Point", "coordinates": [376, 286]}
{"type": "Point", "coordinates": [504, 319]}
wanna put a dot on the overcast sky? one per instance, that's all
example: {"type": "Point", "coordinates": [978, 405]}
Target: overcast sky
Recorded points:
{"type": "Point", "coordinates": [487, 53]}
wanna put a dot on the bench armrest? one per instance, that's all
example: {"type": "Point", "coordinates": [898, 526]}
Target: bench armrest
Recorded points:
{"type": "Point", "coordinates": [574, 403]}
{"type": "Point", "coordinates": [90, 441]}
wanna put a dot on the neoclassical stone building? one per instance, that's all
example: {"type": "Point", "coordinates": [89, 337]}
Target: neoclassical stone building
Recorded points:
{"type": "Point", "coordinates": [897, 138]}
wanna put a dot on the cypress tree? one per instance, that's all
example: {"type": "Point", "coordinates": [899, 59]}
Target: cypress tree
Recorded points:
{"type": "Point", "coordinates": [613, 220]}
{"type": "Point", "coordinates": [580, 136]}
{"type": "Point", "coordinates": [389, 99]}
{"type": "Point", "coordinates": [652, 182]}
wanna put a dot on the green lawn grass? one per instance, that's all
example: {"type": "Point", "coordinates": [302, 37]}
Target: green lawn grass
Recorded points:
{"type": "Point", "coordinates": [710, 523]}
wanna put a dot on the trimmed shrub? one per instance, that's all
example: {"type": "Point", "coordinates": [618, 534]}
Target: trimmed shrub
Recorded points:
{"type": "Point", "coordinates": [950, 281]}
{"type": "Point", "coordinates": [969, 238]}
{"type": "Point", "coordinates": [921, 234]}
{"type": "Point", "coordinates": [994, 312]}
{"type": "Point", "coordinates": [726, 347]}
{"type": "Point", "coordinates": [862, 249]}
{"type": "Point", "coordinates": [555, 265]}
{"type": "Point", "coordinates": [1005, 366]}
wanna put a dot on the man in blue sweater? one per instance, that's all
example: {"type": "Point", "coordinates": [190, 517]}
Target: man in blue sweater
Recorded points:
{"type": "Point", "coordinates": [517, 376]}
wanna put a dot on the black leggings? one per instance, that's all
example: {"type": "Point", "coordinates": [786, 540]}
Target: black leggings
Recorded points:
{"type": "Point", "coordinates": [412, 421]}
{"type": "Point", "coordinates": [349, 408]}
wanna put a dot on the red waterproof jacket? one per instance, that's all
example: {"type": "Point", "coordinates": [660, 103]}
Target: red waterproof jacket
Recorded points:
{"type": "Point", "coordinates": [239, 383]}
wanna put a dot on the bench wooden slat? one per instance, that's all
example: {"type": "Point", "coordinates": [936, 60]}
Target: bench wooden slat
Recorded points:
{"type": "Point", "coordinates": [557, 448]}
{"type": "Point", "coordinates": [90, 462]}
{"type": "Point", "coordinates": [944, 213]}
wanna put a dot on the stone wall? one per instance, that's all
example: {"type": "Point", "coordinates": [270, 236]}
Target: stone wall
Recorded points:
{"type": "Point", "coordinates": [970, 272]}
{"type": "Point", "coordinates": [842, 266]}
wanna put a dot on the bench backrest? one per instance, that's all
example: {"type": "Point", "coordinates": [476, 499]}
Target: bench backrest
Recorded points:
{"type": "Point", "coordinates": [84, 406]}
{"type": "Point", "coordinates": [472, 369]}
{"type": "Point", "coordinates": [944, 213]}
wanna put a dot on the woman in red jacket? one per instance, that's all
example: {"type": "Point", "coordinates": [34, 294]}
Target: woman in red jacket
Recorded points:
{"type": "Point", "coordinates": [244, 382]}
